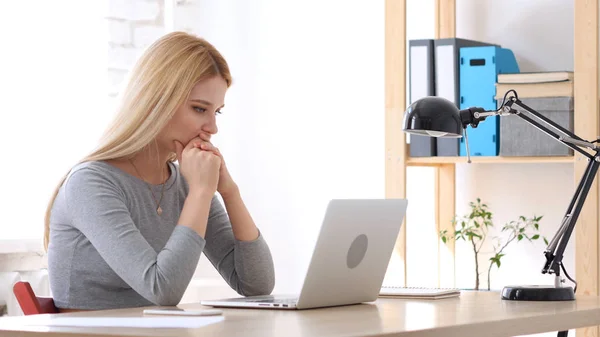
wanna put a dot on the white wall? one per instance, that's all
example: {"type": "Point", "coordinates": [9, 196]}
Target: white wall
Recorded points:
{"type": "Point", "coordinates": [421, 245]}
{"type": "Point", "coordinates": [52, 97]}
{"type": "Point", "coordinates": [56, 78]}
{"type": "Point", "coordinates": [304, 120]}
{"type": "Point", "coordinates": [539, 32]}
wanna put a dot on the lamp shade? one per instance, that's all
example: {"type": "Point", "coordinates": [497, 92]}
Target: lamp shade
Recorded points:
{"type": "Point", "coordinates": [434, 117]}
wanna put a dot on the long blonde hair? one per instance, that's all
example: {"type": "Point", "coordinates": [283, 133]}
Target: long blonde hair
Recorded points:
{"type": "Point", "coordinates": [158, 84]}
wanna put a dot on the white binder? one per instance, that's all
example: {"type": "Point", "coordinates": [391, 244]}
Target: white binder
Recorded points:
{"type": "Point", "coordinates": [421, 84]}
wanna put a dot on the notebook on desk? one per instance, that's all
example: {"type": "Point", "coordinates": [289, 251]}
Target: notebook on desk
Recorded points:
{"type": "Point", "coordinates": [418, 293]}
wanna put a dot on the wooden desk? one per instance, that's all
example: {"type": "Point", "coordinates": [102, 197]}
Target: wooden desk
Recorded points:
{"type": "Point", "coordinates": [471, 314]}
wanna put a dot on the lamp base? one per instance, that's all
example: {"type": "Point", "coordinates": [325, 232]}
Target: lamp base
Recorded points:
{"type": "Point", "coordinates": [538, 293]}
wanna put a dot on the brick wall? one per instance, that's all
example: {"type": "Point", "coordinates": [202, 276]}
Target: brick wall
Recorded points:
{"type": "Point", "coordinates": [132, 26]}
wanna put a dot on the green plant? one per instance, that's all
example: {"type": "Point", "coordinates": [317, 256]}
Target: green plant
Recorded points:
{"type": "Point", "coordinates": [475, 226]}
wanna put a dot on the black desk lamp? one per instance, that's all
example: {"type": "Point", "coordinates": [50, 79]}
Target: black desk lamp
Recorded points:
{"type": "Point", "coordinates": [438, 117]}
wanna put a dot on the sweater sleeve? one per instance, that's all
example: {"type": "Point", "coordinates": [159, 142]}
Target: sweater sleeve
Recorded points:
{"type": "Point", "coordinates": [247, 266]}
{"type": "Point", "coordinates": [98, 209]}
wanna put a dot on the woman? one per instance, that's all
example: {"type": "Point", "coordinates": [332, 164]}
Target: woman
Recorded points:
{"type": "Point", "coordinates": [126, 226]}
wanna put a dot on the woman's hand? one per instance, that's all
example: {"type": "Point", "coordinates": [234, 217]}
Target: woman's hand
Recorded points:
{"type": "Point", "coordinates": [199, 168]}
{"type": "Point", "coordinates": [226, 184]}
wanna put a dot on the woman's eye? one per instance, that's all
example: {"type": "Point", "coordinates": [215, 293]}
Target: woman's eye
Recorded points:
{"type": "Point", "coordinates": [218, 112]}
{"type": "Point", "coordinates": [199, 109]}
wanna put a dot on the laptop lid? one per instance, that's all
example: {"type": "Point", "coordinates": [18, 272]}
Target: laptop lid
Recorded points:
{"type": "Point", "coordinates": [349, 261]}
{"type": "Point", "coordinates": [352, 252]}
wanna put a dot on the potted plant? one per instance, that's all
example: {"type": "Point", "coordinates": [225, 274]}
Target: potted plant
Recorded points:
{"type": "Point", "coordinates": [475, 228]}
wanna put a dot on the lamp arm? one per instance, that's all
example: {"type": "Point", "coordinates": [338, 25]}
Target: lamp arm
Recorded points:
{"type": "Point", "coordinates": [556, 248]}
{"type": "Point", "coordinates": [555, 251]}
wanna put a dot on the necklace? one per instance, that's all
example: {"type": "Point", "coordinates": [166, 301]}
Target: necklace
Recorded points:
{"type": "Point", "coordinates": [158, 208]}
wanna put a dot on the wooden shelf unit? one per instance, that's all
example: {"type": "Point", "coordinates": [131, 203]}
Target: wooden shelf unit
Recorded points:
{"type": "Point", "coordinates": [432, 161]}
{"type": "Point", "coordinates": [586, 96]}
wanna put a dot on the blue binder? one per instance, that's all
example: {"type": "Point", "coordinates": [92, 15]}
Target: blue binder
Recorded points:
{"type": "Point", "coordinates": [479, 69]}
{"type": "Point", "coordinates": [447, 81]}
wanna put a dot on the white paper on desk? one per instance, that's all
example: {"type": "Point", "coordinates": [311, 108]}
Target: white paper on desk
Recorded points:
{"type": "Point", "coordinates": [122, 322]}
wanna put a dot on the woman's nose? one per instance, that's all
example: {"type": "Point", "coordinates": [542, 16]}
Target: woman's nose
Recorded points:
{"type": "Point", "coordinates": [211, 127]}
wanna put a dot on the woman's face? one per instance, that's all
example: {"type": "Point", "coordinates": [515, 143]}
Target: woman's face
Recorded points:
{"type": "Point", "coordinates": [196, 115]}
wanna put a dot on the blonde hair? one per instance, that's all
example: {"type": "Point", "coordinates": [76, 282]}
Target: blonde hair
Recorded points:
{"type": "Point", "coordinates": [158, 84]}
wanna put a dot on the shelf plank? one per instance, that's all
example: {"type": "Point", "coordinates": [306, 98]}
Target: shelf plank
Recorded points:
{"type": "Point", "coordinates": [429, 161]}
{"type": "Point", "coordinates": [445, 182]}
{"type": "Point", "coordinates": [395, 104]}
{"type": "Point", "coordinates": [587, 252]}
{"type": "Point", "coordinates": [445, 209]}
{"type": "Point", "coordinates": [445, 19]}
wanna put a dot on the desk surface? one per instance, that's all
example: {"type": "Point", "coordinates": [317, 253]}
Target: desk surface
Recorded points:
{"type": "Point", "coordinates": [468, 315]}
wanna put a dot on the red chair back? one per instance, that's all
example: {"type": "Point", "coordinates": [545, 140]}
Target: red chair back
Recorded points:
{"type": "Point", "coordinates": [31, 304]}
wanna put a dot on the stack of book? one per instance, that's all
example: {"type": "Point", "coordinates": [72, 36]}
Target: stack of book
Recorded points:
{"type": "Point", "coordinates": [548, 93]}
{"type": "Point", "coordinates": [536, 84]}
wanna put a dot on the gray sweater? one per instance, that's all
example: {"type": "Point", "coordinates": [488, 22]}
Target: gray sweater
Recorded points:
{"type": "Point", "coordinates": [110, 249]}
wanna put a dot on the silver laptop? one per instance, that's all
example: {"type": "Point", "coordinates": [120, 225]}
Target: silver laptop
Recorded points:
{"type": "Point", "coordinates": [349, 261]}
